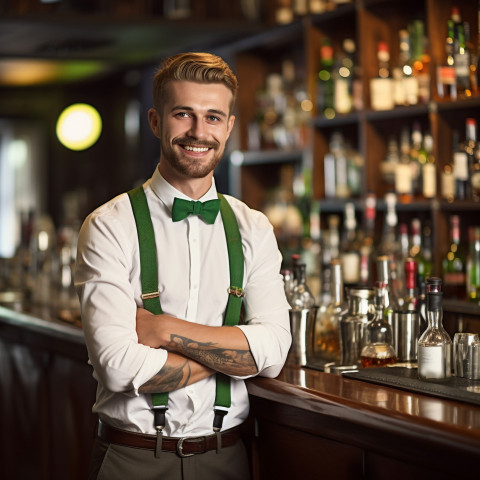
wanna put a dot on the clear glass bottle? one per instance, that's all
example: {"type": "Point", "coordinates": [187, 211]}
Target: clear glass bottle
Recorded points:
{"type": "Point", "coordinates": [435, 344]}
{"type": "Point", "coordinates": [432, 284]}
{"type": "Point", "coordinates": [326, 336]}
{"type": "Point", "coordinates": [377, 350]}
{"type": "Point", "coordinates": [384, 275]}
{"type": "Point", "coordinates": [350, 247]}
{"type": "Point", "coordinates": [289, 284]}
{"type": "Point", "coordinates": [302, 297]}
{"type": "Point", "coordinates": [353, 323]}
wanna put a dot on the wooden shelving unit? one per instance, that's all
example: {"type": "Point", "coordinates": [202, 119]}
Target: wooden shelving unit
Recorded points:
{"type": "Point", "coordinates": [367, 22]}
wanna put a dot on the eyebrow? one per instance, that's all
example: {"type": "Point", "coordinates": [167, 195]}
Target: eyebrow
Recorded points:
{"type": "Point", "coordinates": [210, 110]}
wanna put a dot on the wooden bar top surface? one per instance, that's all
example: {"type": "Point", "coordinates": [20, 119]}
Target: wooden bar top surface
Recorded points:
{"type": "Point", "coordinates": [366, 404]}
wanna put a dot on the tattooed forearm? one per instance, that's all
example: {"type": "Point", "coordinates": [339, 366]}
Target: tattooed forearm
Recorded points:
{"type": "Point", "coordinates": [168, 379]}
{"type": "Point", "coordinates": [229, 361]}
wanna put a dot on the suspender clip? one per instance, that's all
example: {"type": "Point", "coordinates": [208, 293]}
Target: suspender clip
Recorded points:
{"type": "Point", "coordinates": [236, 292]}
{"type": "Point", "coordinates": [147, 296]}
{"type": "Point", "coordinates": [218, 419]}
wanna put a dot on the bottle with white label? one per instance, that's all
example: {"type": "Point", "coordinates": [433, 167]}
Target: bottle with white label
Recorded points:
{"type": "Point", "coordinates": [435, 344]}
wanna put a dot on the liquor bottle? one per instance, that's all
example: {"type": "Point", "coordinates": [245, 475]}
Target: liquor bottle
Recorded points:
{"type": "Point", "coordinates": [384, 275]}
{"type": "Point", "coordinates": [461, 57]}
{"type": "Point", "coordinates": [435, 344]}
{"type": "Point", "coordinates": [284, 12]}
{"type": "Point", "coordinates": [453, 263]}
{"type": "Point", "coordinates": [418, 158]}
{"type": "Point", "coordinates": [432, 284]}
{"type": "Point", "coordinates": [344, 77]}
{"type": "Point", "coordinates": [326, 337]}
{"type": "Point", "coordinates": [460, 170]}
{"type": "Point", "coordinates": [470, 146]}
{"type": "Point", "coordinates": [473, 265]}
{"type": "Point", "coordinates": [420, 253]}
{"type": "Point", "coordinates": [302, 297]}
{"type": "Point", "coordinates": [330, 251]}
{"type": "Point", "coordinates": [421, 59]}
{"type": "Point", "coordinates": [405, 84]}
{"type": "Point", "coordinates": [448, 183]}
{"type": "Point", "coordinates": [338, 149]}
{"type": "Point", "coordinates": [325, 84]}
{"type": "Point", "coordinates": [474, 58]}
{"type": "Point", "coordinates": [429, 170]}
{"type": "Point", "coordinates": [367, 240]}
{"type": "Point", "coordinates": [446, 79]}
{"type": "Point", "coordinates": [377, 350]}
{"type": "Point", "coordinates": [381, 87]}
{"type": "Point", "coordinates": [409, 301]}
{"type": "Point", "coordinates": [475, 174]}
{"type": "Point", "coordinates": [389, 164]}
{"type": "Point", "coordinates": [404, 171]}
{"type": "Point", "coordinates": [350, 247]}
{"type": "Point", "coordinates": [389, 241]}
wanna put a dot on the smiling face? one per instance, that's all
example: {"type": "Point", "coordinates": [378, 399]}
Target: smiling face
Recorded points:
{"type": "Point", "coordinates": [193, 127]}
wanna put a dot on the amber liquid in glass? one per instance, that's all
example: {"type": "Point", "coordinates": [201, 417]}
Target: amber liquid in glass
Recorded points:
{"type": "Point", "coordinates": [377, 362]}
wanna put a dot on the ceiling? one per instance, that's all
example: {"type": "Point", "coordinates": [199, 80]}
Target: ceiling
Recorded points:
{"type": "Point", "coordinates": [49, 49]}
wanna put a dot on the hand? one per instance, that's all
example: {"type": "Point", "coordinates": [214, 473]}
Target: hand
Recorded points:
{"type": "Point", "coordinates": [147, 323]}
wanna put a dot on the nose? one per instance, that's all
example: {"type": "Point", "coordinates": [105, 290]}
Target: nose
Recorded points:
{"type": "Point", "coordinates": [197, 129]}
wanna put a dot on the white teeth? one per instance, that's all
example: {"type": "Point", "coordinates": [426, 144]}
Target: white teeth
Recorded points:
{"type": "Point", "coordinates": [196, 149]}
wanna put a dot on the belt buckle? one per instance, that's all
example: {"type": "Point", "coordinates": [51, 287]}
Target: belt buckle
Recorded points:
{"type": "Point", "coordinates": [180, 448]}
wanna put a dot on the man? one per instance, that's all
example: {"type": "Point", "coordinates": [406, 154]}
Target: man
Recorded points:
{"type": "Point", "coordinates": [135, 353]}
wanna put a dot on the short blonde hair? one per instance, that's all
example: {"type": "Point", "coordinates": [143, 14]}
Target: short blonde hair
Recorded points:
{"type": "Point", "coordinates": [193, 67]}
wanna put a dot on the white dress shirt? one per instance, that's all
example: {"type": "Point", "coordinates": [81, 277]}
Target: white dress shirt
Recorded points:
{"type": "Point", "coordinates": [193, 278]}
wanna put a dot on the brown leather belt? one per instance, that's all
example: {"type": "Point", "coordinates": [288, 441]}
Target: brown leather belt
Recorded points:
{"type": "Point", "coordinates": [183, 446]}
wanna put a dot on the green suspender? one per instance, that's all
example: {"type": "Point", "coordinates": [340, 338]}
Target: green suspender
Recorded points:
{"type": "Point", "coordinates": [151, 296]}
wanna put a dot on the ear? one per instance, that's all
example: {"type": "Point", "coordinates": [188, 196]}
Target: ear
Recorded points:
{"type": "Point", "coordinates": [231, 122]}
{"type": "Point", "coordinates": [154, 121]}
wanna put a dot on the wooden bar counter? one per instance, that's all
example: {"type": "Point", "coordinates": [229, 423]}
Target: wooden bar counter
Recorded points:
{"type": "Point", "coordinates": [304, 424]}
{"type": "Point", "coordinates": [310, 424]}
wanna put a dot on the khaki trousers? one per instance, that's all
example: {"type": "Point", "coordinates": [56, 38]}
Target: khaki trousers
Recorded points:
{"type": "Point", "coordinates": [112, 462]}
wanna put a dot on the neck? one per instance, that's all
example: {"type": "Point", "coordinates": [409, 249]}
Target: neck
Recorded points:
{"type": "Point", "coordinates": [193, 188]}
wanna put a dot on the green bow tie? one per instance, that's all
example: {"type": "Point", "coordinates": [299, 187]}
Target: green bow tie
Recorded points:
{"type": "Point", "coordinates": [207, 210]}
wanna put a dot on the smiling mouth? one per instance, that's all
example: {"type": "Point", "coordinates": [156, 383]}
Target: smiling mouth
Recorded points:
{"type": "Point", "coordinates": [190, 148]}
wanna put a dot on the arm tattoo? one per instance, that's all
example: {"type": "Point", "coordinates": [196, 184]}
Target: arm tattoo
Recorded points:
{"type": "Point", "coordinates": [229, 361]}
{"type": "Point", "coordinates": [168, 379]}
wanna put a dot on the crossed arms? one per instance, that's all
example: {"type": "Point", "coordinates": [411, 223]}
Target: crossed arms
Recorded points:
{"type": "Point", "coordinates": [194, 351]}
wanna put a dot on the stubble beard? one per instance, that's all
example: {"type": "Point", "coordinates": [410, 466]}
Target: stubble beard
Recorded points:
{"type": "Point", "coordinates": [188, 166]}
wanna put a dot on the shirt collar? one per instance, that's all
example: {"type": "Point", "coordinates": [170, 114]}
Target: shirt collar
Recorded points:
{"type": "Point", "coordinates": [166, 192]}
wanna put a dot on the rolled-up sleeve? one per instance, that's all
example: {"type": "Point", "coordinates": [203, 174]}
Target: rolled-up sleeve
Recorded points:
{"type": "Point", "coordinates": [103, 273]}
{"type": "Point", "coordinates": [267, 323]}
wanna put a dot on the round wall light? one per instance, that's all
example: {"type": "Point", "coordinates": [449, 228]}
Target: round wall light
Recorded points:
{"type": "Point", "coordinates": [79, 126]}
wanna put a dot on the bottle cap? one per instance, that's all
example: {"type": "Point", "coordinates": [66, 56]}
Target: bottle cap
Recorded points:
{"type": "Point", "coordinates": [434, 284]}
